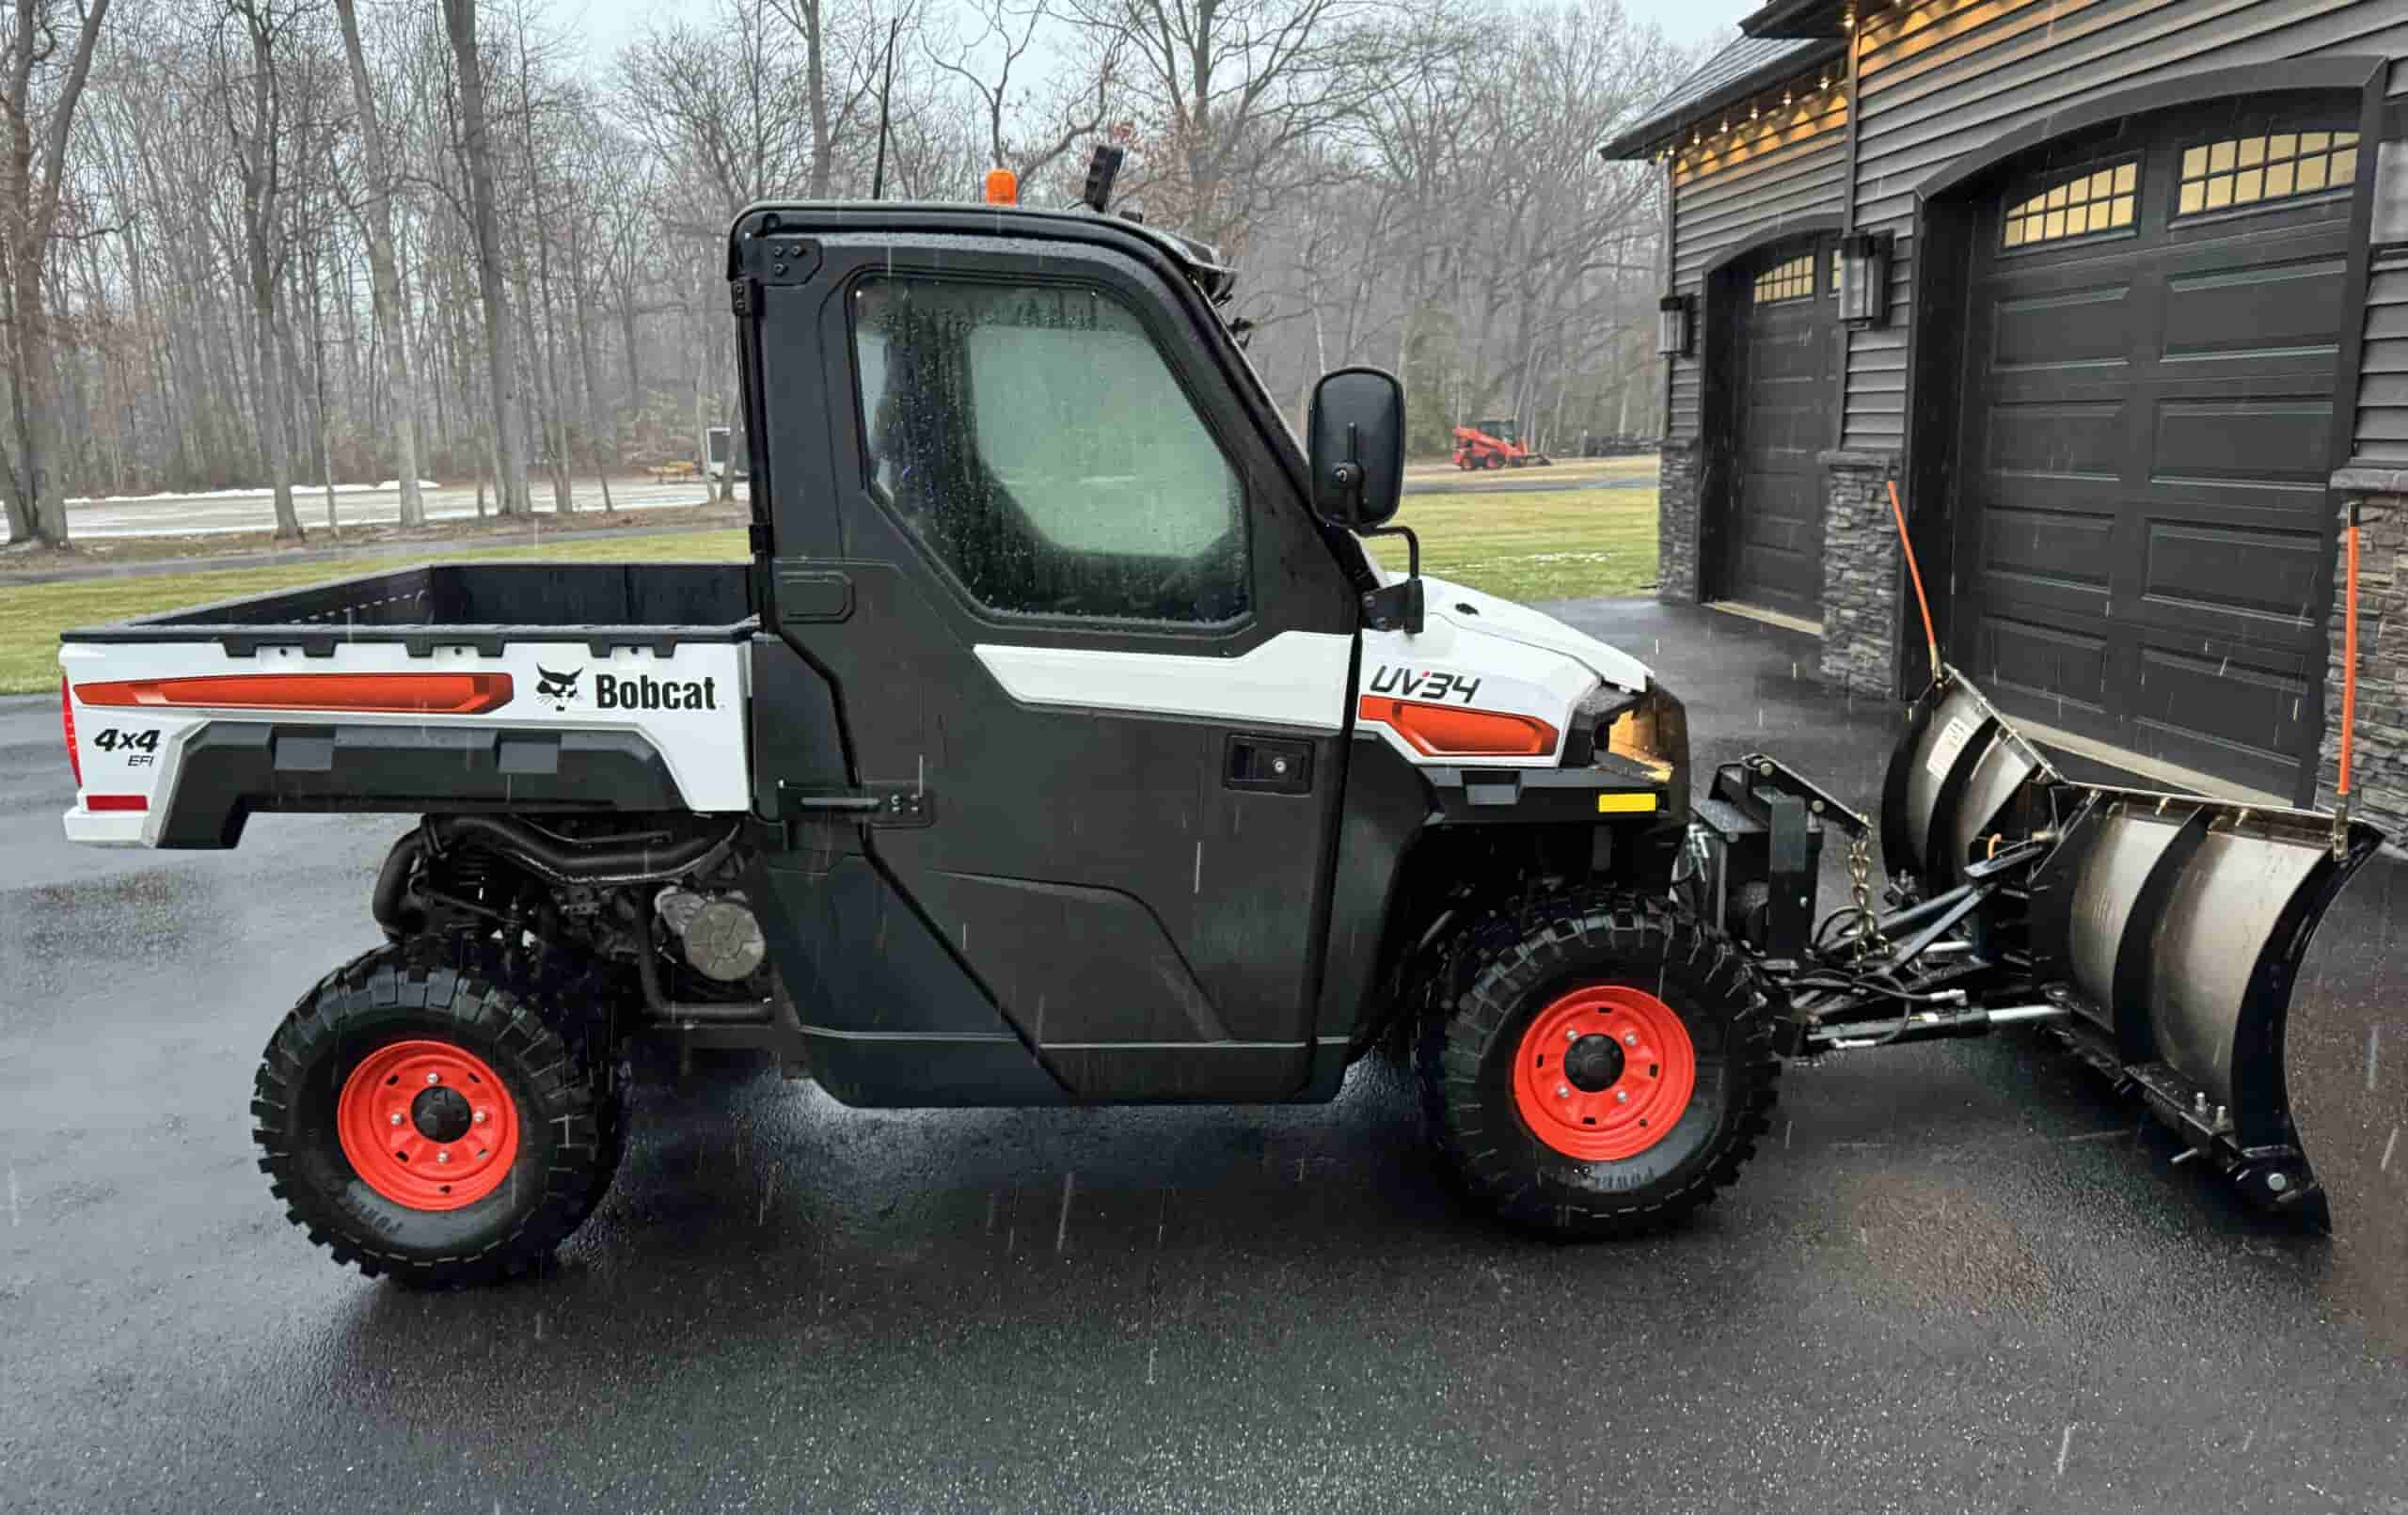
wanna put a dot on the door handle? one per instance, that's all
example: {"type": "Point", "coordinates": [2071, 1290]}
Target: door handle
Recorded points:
{"type": "Point", "coordinates": [1268, 765]}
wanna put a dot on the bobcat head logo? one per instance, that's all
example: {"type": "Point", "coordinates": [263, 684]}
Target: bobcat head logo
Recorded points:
{"type": "Point", "coordinates": [557, 690]}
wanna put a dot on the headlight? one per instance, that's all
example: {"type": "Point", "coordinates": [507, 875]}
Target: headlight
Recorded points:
{"type": "Point", "coordinates": [1654, 730]}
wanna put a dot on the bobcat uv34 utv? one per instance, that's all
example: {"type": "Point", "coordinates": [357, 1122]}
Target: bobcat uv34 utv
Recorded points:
{"type": "Point", "coordinates": [1060, 743]}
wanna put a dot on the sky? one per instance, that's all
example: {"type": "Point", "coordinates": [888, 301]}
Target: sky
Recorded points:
{"type": "Point", "coordinates": [608, 25]}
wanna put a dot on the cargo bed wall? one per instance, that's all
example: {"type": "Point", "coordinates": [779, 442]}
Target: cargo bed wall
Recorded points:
{"type": "Point", "coordinates": [690, 597]}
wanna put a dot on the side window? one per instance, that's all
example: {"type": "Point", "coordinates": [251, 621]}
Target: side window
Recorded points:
{"type": "Point", "coordinates": [1036, 443]}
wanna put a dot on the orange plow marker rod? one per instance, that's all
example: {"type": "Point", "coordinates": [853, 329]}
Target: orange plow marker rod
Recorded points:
{"type": "Point", "coordinates": [2349, 660]}
{"type": "Point", "coordinates": [1930, 638]}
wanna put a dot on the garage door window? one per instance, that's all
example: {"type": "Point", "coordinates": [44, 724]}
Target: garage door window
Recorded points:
{"type": "Point", "coordinates": [1792, 279]}
{"type": "Point", "coordinates": [2248, 170]}
{"type": "Point", "coordinates": [2086, 204]}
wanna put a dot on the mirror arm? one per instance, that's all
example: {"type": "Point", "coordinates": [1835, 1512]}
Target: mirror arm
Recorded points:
{"type": "Point", "coordinates": [1396, 607]}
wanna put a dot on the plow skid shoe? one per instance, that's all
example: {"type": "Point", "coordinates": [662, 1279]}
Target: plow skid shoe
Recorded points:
{"type": "Point", "coordinates": [2171, 925]}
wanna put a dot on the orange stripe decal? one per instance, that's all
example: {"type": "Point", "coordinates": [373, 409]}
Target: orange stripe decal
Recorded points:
{"type": "Point", "coordinates": [1452, 731]}
{"type": "Point", "coordinates": [398, 694]}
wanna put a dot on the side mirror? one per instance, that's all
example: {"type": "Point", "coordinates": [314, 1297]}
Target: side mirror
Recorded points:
{"type": "Point", "coordinates": [1355, 443]}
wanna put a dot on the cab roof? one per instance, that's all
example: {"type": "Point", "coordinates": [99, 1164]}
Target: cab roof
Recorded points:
{"type": "Point", "coordinates": [1201, 262]}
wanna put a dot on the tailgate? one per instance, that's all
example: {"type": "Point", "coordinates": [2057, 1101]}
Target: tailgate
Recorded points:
{"type": "Point", "coordinates": [179, 741]}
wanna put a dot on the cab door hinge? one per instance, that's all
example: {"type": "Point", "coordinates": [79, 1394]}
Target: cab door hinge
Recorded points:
{"type": "Point", "coordinates": [739, 293]}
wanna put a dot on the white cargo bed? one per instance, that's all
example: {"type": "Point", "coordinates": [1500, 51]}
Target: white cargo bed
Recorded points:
{"type": "Point", "coordinates": [408, 692]}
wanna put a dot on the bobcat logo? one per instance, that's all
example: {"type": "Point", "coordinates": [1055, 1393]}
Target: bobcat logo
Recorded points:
{"type": "Point", "coordinates": [557, 690]}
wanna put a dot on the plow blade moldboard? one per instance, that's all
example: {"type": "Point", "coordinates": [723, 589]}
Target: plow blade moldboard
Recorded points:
{"type": "Point", "coordinates": [2172, 926]}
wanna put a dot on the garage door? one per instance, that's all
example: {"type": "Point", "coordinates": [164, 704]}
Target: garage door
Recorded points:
{"type": "Point", "coordinates": [1784, 385]}
{"type": "Point", "coordinates": [2148, 440]}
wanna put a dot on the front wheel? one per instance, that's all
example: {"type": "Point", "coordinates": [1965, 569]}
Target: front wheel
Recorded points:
{"type": "Point", "coordinates": [1594, 1064]}
{"type": "Point", "coordinates": [444, 1113]}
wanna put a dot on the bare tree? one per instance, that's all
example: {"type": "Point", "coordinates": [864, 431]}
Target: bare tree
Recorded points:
{"type": "Point", "coordinates": [259, 147]}
{"type": "Point", "coordinates": [501, 354]}
{"type": "Point", "coordinates": [31, 180]}
{"type": "Point", "coordinates": [1077, 105]}
{"type": "Point", "coordinates": [385, 281]}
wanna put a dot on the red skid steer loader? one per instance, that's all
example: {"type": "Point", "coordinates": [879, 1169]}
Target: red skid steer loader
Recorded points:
{"type": "Point", "coordinates": [1495, 444]}
{"type": "Point", "coordinates": [1009, 772]}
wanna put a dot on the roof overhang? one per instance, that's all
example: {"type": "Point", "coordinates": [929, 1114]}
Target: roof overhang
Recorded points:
{"type": "Point", "coordinates": [1797, 18]}
{"type": "Point", "coordinates": [1666, 125]}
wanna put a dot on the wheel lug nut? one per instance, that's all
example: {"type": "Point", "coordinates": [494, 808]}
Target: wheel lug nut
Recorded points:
{"type": "Point", "coordinates": [396, 1117]}
{"type": "Point", "coordinates": [434, 1078]}
{"type": "Point", "coordinates": [1561, 1092]}
{"type": "Point", "coordinates": [1622, 1097]}
{"type": "Point", "coordinates": [1630, 1038]}
{"type": "Point", "coordinates": [1571, 1033]}
{"type": "Point", "coordinates": [443, 1157]}
{"type": "Point", "coordinates": [481, 1117]}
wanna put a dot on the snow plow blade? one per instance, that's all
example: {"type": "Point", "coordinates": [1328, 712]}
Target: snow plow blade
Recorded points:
{"type": "Point", "coordinates": [2172, 926]}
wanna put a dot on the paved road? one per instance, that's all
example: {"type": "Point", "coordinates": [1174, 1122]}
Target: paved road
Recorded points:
{"type": "Point", "coordinates": [1960, 1277]}
{"type": "Point", "coordinates": [220, 515]}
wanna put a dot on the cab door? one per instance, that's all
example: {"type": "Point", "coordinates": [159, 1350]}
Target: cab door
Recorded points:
{"type": "Point", "coordinates": [1088, 623]}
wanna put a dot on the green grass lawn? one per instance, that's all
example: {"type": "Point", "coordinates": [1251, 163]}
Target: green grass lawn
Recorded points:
{"type": "Point", "coordinates": [33, 615]}
{"type": "Point", "coordinates": [1547, 546]}
{"type": "Point", "coordinates": [1523, 547]}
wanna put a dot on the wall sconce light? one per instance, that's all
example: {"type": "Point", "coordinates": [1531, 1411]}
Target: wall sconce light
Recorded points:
{"type": "Point", "coordinates": [1864, 279]}
{"type": "Point", "coordinates": [1673, 324]}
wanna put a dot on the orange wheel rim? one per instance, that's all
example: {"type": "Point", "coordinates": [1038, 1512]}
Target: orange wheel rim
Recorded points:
{"type": "Point", "coordinates": [427, 1125]}
{"type": "Point", "coordinates": [1603, 1073]}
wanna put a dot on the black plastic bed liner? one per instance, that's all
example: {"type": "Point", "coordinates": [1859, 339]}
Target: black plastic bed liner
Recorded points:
{"type": "Point", "coordinates": [480, 605]}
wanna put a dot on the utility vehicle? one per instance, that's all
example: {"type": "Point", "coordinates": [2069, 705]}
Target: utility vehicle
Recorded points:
{"type": "Point", "coordinates": [1061, 743]}
{"type": "Point", "coordinates": [1495, 444]}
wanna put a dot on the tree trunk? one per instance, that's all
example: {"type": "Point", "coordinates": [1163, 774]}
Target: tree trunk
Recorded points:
{"type": "Point", "coordinates": [258, 169]}
{"type": "Point", "coordinates": [384, 278]}
{"type": "Point", "coordinates": [28, 219]}
{"type": "Point", "coordinates": [502, 359]}
{"type": "Point", "coordinates": [35, 389]}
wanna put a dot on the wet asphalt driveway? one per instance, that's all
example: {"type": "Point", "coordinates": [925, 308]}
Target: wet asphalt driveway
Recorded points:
{"type": "Point", "coordinates": [1961, 1277]}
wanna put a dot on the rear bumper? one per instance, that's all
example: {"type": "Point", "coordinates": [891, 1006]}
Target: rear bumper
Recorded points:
{"type": "Point", "coordinates": [109, 828]}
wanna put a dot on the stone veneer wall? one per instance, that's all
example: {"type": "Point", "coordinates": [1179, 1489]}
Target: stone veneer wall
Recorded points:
{"type": "Point", "coordinates": [1861, 574]}
{"type": "Point", "coordinates": [2379, 762]}
{"type": "Point", "coordinates": [1676, 523]}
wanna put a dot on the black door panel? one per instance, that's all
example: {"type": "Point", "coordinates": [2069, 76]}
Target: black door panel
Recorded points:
{"type": "Point", "coordinates": [1150, 929]}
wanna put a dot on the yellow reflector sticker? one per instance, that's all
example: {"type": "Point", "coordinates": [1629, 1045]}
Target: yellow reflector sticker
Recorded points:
{"type": "Point", "coordinates": [1639, 804]}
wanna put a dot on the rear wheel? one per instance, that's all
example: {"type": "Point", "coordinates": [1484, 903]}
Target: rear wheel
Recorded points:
{"type": "Point", "coordinates": [1594, 1064]}
{"type": "Point", "coordinates": [444, 1113]}
{"type": "Point", "coordinates": [1496, 460]}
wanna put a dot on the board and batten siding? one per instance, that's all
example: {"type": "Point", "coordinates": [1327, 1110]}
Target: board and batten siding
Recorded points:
{"type": "Point", "coordinates": [1722, 199]}
{"type": "Point", "coordinates": [1944, 79]}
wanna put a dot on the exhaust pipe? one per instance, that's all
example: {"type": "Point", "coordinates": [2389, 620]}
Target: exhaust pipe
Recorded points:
{"type": "Point", "coordinates": [567, 861]}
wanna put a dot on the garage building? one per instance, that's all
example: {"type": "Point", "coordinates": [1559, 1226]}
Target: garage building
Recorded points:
{"type": "Point", "coordinates": [2116, 291]}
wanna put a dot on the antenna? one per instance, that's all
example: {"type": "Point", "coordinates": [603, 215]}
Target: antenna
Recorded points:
{"type": "Point", "coordinates": [885, 98]}
{"type": "Point", "coordinates": [1101, 171]}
